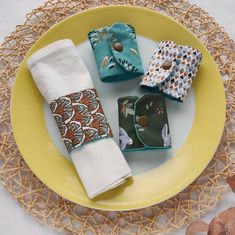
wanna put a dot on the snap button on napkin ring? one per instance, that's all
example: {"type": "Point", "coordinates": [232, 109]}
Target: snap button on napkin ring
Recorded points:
{"type": "Point", "coordinates": [118, 46]}
{"type": "Point", "coordinates": [80, 118]}
{"type": "Point", "coordinates": [166, 64]}
{"type": "Point", "coordinates": [143, 121]}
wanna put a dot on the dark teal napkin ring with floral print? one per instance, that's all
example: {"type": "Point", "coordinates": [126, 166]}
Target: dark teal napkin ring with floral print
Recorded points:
{"type": "Point", "coordinates": [143, 123]}
{"type": "Point", "coordinates": [116, 52]}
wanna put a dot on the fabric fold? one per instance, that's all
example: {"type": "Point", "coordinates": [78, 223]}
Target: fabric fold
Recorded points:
{"type": "Point", "coordinates": [143, 123]}
{"type": "Point", "coordinates": [58, 70]}
{"type": "Point", "coordinates": [116, 52]}
{"type": "Point", "coordinates": [172, 70]}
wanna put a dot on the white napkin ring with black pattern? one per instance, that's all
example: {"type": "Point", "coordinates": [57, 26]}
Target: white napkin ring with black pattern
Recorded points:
{"type": "Point", "coordinates": [172, 70]}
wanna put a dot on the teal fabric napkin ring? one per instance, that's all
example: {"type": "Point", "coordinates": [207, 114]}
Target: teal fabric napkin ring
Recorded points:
{"type": "Point", "coordinates": [143, 123]}
{"type": "Point", "coordinates": [116, 52]}
{"type": "Point", "coordinates": [172, 70]}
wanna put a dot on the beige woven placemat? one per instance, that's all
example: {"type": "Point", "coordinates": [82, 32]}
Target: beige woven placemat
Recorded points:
{"type": "Point", "coordinates": [48, 207]}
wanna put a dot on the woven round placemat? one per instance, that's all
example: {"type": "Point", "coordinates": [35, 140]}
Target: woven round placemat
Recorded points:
{"type": "Point", "coordinates": [48, 207]}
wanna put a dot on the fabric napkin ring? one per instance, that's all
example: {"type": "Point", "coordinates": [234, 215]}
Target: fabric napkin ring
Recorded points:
{"type": "Point", "coordinates": [172, 70]}
{"type": "Point", "coordinates": [143, 123]}
{"type": "Point", "coordinates": [116, 52]}
{"type": "Point", "coordinates": [80, 118]}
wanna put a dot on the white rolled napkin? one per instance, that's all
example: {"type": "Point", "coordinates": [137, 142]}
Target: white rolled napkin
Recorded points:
{"type": "Point", "coordinates": [58, 70]}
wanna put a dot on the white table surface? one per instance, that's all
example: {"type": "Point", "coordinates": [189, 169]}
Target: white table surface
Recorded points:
{"type": "Point", "coordinates": [13, 219]}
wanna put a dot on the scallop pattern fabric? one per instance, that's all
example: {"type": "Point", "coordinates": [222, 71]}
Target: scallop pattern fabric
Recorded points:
{"type": "Point", "coordinates": [80, 118]}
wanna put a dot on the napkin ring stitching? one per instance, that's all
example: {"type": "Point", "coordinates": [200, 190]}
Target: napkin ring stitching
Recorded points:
{"type": "Point", "coordinates": [80, 118]}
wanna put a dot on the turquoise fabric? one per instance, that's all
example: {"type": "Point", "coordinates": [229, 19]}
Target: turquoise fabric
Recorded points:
{"type": "Point", "coordinates": [113, 65]}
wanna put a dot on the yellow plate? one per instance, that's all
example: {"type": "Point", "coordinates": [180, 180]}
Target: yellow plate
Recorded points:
{"type": "Point", "coordinates": [151, 187]}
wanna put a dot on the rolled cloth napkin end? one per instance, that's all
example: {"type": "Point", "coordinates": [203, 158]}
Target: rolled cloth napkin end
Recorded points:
{"type": "Point", "coordinates": [58, 71]}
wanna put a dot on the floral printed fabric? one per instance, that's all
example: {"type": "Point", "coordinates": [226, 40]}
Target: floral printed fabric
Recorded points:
{"type": "Point", "coordinates": [143, 123]}
{"type": "Point", "coordinates": [175, 81]}
{"type": "Point", "coordinates": [116, 64]}
{"type": "Point", "coordinates": [80, 118]}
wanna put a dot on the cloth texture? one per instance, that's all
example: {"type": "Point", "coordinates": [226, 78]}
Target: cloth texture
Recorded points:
{"type": "Point", "coordinates": [80, 118]}
{"type": "Point", "coordinates": [116, 52]}
{"type": "Point", "coordinates": [58, 70]}
{"type": "Point", "coordinates": [172, 70]}
{"type": "Point", "coordinates": [143, 123]}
